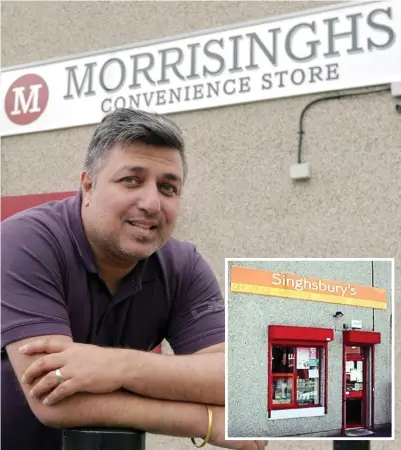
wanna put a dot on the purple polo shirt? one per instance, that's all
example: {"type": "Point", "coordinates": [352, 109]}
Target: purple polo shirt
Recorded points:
{"type": "Point", "coordinates": [51, 285]}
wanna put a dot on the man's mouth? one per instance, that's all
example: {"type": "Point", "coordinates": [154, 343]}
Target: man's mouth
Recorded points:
{"type": "Point", "coordinates": [144, 226]}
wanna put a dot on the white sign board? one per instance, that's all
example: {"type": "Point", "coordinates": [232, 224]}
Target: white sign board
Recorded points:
{"type": "Point", "coordinates": [340, 47]}
{"type": "Point", "coordinates": [356, 324]}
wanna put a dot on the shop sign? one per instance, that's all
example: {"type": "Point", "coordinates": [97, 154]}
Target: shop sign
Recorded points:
{"type": "Point", "coordinates": [276, 284]}
{"type": "Point", "coordinates": [327, 49]}
{"type": "Point", "coordinates": [356, 324]}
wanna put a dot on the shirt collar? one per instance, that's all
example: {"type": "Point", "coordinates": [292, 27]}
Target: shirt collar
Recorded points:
{"type": "Point", "coordinates": [78, 234]}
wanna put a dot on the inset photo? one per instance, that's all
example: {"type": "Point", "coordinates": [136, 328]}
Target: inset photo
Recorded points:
{"type": "Point", "coordinates": [310, 348]}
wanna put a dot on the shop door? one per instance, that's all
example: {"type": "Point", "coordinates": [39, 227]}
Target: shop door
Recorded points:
{"type": "Point", "coordinates": [355, 388]}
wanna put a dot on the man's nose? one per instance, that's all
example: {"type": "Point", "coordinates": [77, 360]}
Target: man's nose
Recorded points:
{"type": "Point", "coordinates": [149, 199]}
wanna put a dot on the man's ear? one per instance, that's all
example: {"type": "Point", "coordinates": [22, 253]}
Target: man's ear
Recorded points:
{"type": "Point", "coordinates": [86, 187]}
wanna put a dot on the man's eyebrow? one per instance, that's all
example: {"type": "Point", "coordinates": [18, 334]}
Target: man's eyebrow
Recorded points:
{"type": "Point", "coordinates": [135, 169]}
{"type": "Point", "coordinates": [138, 169]}
{"type": "Point", "coordinates": [173, 177]}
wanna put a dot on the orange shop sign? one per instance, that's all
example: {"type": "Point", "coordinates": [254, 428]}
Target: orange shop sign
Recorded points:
{"type": "Point", "coordinates": [275, 284]}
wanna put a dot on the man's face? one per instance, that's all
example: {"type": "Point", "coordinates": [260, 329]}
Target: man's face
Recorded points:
{"type": "Point", "coordinates": [131, 209]}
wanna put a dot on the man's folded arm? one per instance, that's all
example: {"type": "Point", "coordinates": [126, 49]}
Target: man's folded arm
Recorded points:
{"type": "Point", "coordinates": [196, 333]}
{"type": "Point", "coordinates": [195, 378]}
{"type": "Point", "coordinates": [118, 409]}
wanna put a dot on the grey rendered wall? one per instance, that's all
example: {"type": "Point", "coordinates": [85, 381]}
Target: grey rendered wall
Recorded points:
{"type": "Point", "coordinates": [239, 199]}
{"type": "Point", "coordinates": [248, 319]}
{"type": "Point", "coordinates": [382, 322]}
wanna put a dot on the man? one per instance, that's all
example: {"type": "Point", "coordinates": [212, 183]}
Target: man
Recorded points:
{"type": "Point", "coordinates": [92, 283]}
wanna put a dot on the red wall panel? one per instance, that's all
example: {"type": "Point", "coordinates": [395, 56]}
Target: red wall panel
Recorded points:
{"type": "Point", "coordinates": [14, 203]}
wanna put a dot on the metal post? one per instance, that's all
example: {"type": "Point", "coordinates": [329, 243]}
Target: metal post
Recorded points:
{"type": "Point", "coordinates": [102, 439]}
{"type": "Point", "coordinates": [351, 445]}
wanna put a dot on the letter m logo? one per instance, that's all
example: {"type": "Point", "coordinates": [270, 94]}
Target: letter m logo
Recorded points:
{"type": "Point", "coordinates": [26, 99]}
{"type": "Point", "coordinates": [26, 102]}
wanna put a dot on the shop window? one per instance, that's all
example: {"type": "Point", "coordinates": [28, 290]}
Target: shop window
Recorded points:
{"type": "Point", "coordinates": [296, 375]}
{"type": "Point", "coordinates": [298, 371]}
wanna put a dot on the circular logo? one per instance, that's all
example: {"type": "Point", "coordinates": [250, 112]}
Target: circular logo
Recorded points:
{"type": "Point", "coordinates": [26, 99]}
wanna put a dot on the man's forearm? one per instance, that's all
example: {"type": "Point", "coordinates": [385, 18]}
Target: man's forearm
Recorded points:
{"type": "Point", "coordinates": [195, 378]}
{"type": "Point", "coordinates": [125, 410]}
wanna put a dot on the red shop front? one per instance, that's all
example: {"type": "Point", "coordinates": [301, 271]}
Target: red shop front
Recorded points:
{"type": "Point", "coordinates": [358, 379]}
{"type": "Point", "coordinates": [297, 371]}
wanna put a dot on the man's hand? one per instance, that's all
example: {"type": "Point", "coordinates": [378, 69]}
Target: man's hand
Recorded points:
{"type": "Point", "coordinates": [218, 433]}
{"type": "Point", "coordinates": [84, 368]}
